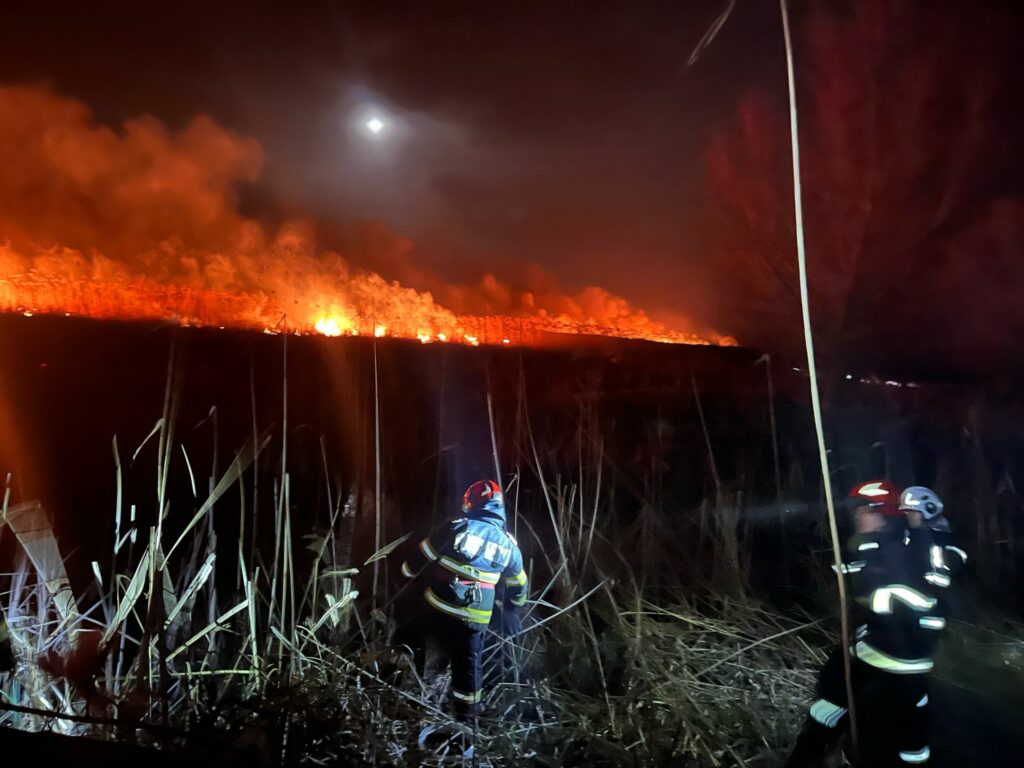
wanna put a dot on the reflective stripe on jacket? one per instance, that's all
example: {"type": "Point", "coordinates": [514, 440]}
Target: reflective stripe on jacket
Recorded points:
{"type": "Point", "coordinates": [897, 589]}
{"type": "Point", "coordinates": [462, 563]}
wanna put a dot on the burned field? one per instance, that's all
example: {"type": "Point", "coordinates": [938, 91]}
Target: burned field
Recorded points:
{"type": "Point", "coordinates": [680, 604]}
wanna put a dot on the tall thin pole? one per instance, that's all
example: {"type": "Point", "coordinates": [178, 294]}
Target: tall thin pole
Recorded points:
{"type": "Point", "coordinates": [494, 434]}
{"type": "Point", "coordinates": [767, 359]}
{"type": "Point", "coordinates": [707, 441]}
{"type": "Point", "coordinates": [377, 534]}
{"type": "Point", "coordinates": [440, 438]}
{"type": "Point", "coordinates": [826, 476]}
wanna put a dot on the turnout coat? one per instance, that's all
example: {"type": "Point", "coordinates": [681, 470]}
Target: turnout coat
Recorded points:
{"type": "Point", "coordinates": [461, 564]}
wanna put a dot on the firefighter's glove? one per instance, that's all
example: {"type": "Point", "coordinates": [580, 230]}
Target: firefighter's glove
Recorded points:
{"type": "Point", "coordinates": [511, 624]}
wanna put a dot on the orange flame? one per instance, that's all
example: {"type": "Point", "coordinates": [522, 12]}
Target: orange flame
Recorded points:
{"type": "Point", "coordinates": [142, 225]}
{"type": "Point", "coordinates": [144, 299]}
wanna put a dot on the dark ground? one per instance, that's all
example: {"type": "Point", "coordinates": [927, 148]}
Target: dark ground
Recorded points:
{"type": "Point", "coordinates": [969, 731]}
{"type": "Point", "coordinates": [973, 730]}
{"type": "Point", "coordinates": [53, 749]}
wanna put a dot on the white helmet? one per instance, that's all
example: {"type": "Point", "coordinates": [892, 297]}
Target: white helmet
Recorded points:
{"type": "Point", "coordinates": [917, 498]}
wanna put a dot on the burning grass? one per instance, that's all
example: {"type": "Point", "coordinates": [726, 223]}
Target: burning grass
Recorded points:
{"type": "Point", "coordinates": [163, 238]}
{"type": "Point", "coordinates": [403, 314]}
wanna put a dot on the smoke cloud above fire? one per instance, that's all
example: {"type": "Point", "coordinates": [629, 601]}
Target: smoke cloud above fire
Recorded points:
{"type": "Point", "coordinates": [143, 221]}
{"type": "Point", "coordinates": [544, 152]}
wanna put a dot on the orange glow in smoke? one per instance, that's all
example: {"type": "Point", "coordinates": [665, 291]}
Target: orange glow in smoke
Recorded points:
{"type": "Point", "coordinates": [141, 222]}
{"type": "Point", "coordinates": [142, 299]}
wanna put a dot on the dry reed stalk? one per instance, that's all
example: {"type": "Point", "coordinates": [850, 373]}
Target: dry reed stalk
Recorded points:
{"type": "Point", "coordinates": [666, 676]}
{"type": "Point", "coordinates": [494, 437]}
{"type": "Point", "coordinates": [776, 466]}
{"type": "Point", "coordinates": [377, 512]}
{"type": "Point", "coordinates": [812, 371]}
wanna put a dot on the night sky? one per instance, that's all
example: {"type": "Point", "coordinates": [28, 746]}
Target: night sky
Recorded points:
{"type": "Point", "coordinates": [574, 136]}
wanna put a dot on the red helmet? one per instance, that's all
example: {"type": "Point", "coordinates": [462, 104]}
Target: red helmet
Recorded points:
{"type": "Point", "coordinates": [880, 496]}
{"type": "Point", "coordinates": [480, 493]}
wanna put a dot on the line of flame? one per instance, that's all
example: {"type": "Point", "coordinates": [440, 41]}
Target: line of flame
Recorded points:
{"type": "Point", "coordinates": [144, 299]}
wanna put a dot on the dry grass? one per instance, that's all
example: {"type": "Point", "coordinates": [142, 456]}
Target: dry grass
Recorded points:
{"type": "Point", "coordinates": [298, 668]}
{"type": "Point", "coordinates": [618, 665]}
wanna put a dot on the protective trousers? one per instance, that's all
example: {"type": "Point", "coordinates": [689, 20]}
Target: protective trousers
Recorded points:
{"type": "Point", "coordinates": [465, 646]}
{"type": "Point", "coordinates": [892, 716]}
{"type": "Point", "coordinates": [460, 645]}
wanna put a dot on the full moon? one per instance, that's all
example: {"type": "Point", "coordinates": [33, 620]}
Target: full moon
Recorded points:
{"type": "Point", "coordinates": [375, 125]}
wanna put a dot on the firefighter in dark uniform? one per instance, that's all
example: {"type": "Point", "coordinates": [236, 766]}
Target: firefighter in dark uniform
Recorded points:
{"type": "Point", "coordinates": [898, 620]}
{"type": "Point", "coordinates": [929, 532]}
{"type": "Point", "coordinates": [459, 567]}
{"type": "Point", "coordinates": [925, 511]}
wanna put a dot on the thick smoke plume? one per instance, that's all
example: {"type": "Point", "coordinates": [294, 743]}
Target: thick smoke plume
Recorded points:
{"type": "Point", "coordinates": [143, 222]}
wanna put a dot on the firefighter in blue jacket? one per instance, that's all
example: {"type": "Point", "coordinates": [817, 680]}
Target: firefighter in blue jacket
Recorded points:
{"type": "Point", "coordinates": [459, 567]}
{"type": "Point", "coordinates": [898, 619]}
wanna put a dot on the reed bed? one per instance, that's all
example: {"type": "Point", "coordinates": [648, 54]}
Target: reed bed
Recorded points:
{"type": "Point", "coordinates": [295, 666]}
{"type": "Point", "coordinates": [642, 642]}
